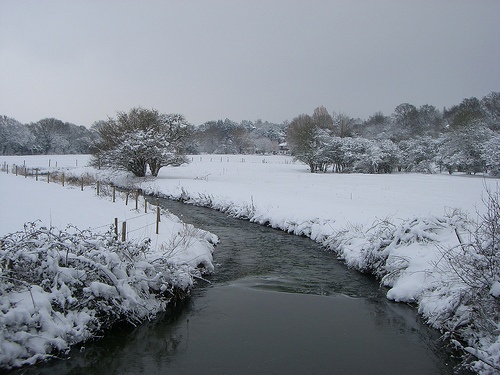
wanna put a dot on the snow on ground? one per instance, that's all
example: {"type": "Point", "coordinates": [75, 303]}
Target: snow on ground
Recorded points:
{"type": "Point", "coordinates": [286, 189]}
{"type": "Point", "coordinates": [397, 226]}
{"type": "Point", "coordinates": [90, 284]}
{"type": "Point", "coordinates": [28, 200]}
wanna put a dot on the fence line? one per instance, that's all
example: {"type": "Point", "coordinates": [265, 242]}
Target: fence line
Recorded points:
{"type": "Point", "coordinates": [101, 189]}
{"type": "Point", "coordinates": [254, 158]}
{"type": "Point", "coordinates": [137, 217]}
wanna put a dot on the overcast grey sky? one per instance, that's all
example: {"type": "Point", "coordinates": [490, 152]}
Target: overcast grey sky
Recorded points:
{"type": "Point", "coordinates": [82, 60]}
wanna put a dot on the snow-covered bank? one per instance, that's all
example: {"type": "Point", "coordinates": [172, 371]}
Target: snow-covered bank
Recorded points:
{"type": "Point", "coordinates": [62, 285]}
{"type": "Point", "coordinates": [405, 228]}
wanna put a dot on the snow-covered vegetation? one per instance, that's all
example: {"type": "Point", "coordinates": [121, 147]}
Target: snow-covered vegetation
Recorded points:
{"type": "Point", "coordinates": [462, 138]}
{"type": "Point", "coordinates": [141, 139]}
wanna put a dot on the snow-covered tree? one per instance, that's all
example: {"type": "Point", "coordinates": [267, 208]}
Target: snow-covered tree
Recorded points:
{"type": "Point", "coordinates": [491, 155]}
{"type": "Point", "coordinates": [468, 113]}
{"type": "Point", "coordinates": [378, 126]}
{"type": "Point", "coordinates": [491, 106]}
{"type": "Point", "coordinates": [308, 138]}
{"type": "Point", "coordinates": [15, 138]}
{"type": "Point", "coordinates": [463, 149]}
{"type": "Point", "coordinates": [375, 156]}
{"type": "Point", "coordinates": [343, 124]}
{"type": "Point", "coordinates": [388, 156]}
{"type": "Point", "coordinates": [141, 138]}
{"type": "Point", "coordinates": [430, 121]}
{"type": "Point", "coordinates": [223, 137]}
{"type": "Point", "coordinates": [405, 121]}
{"type": "Point", "coordinates": [418, 154]}
{"type": "Point", "coordinates": [301, 138]}
{"type": "Point", "coordinates": [51, 136]}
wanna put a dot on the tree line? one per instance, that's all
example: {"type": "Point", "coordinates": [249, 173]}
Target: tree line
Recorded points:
{"type": "Point", "coordinates": [47, 136]}
{"type": "Point", "coordinates": [53, 136]}
{"type": "Point", "coordinates": [464, 138]}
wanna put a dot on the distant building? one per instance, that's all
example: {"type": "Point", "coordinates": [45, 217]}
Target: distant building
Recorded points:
{"type": "Point", "coordinates": [283, 148]}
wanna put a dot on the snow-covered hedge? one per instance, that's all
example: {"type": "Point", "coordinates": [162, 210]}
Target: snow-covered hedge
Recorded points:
{"type": "Point", "coordinates": [62, 287]}
{"type": "Point", "coordinates": [449, 267]}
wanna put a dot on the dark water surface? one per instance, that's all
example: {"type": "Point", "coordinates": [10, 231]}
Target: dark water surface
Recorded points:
{"type": "Point", "coordinates": [278, 304]}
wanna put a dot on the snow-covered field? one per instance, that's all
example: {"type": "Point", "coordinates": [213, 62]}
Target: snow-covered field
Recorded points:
{"type": "Point", "coordinates": [405, 228]}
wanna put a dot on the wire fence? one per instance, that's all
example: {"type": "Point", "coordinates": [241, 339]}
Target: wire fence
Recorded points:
{"type": "Point", "coordinates": [102, 189]}
{"type": "Point", "coordinates": [279, 158]}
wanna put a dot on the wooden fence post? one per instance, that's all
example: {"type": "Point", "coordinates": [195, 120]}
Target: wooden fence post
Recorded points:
{"type": "Point", "coordinates": [116, 228]}
{"type": "Point", "coordinates": [114, 194]}
{"type": "Point", "coordinates": [136, 199]}
{"type": "Point", "coordinates": [157, 219]}
{"type": "Point", "coordinates": [48, 177]}
{"type": "Point", "coordinates": [97, 187]}
{"type": "Point", "coordinates": [145, 205]}
{"type": "Point", "coordinates": [62, 180]}
{"type": "Point", "coordinates": [36, 174]}
{"type": "Point", "coordinates": [126, 198]}
{"type": "Point", "coordinates": [82, 185]}
{"type": "Point", "coordinates": [16, 170]}
{"type": "Point", "coordinates": [124, 231]}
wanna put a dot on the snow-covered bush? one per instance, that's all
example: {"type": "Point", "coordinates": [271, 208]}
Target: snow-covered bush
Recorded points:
{"type": "Point", "coordinates": [62, 287]}
{"type": "Point", "coordinates": [377, 249]}
{"type": "Point", "coordinates": [472, 289]}
{"type": "Point", "coordinates": [491, 153]}
{"type": "Point", "coordinates": [448, 266]}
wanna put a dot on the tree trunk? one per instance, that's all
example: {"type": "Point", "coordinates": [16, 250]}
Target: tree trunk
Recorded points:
{"type": "Point", "coordinates": [154, 166]}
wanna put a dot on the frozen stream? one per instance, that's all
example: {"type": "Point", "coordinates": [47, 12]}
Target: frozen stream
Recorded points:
{"type": "Point", "coordinates": [278, 304]}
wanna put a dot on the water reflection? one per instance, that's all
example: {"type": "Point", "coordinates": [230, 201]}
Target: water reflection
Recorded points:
{"type": "Point", "coordinates": [242, 329]}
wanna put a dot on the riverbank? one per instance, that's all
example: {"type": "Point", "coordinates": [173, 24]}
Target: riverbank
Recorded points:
{"type": "Point", "coordinates": [405, 228]}
{"type": "Point", "coordinates": [65, 277]}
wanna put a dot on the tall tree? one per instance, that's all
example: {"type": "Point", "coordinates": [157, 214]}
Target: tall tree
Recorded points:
{"type": "Point", "coordinates": [15, 138]}
{"type": "Point", "coordinates": [430, 121]}
{"type": "Point", "coordinates": [308, 138]}
{"type": "Point", "coordinates": [405, 118]}
{"type": "Point", "coordinates": [50, 135]}
{"type": "Point", "coordinates": [301, 139]}
{"type": "Point", "coordinates": [343, 124]}
{"type": "Point", "coordinates": [468, 113]}
{"type": "Point", "coordinates": [491, 105]}
{"type": "Point", "coordinates": [322, 119]}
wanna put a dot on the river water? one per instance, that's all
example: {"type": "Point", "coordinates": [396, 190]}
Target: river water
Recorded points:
{"type": "Point", "coordinates": [277, 304]}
